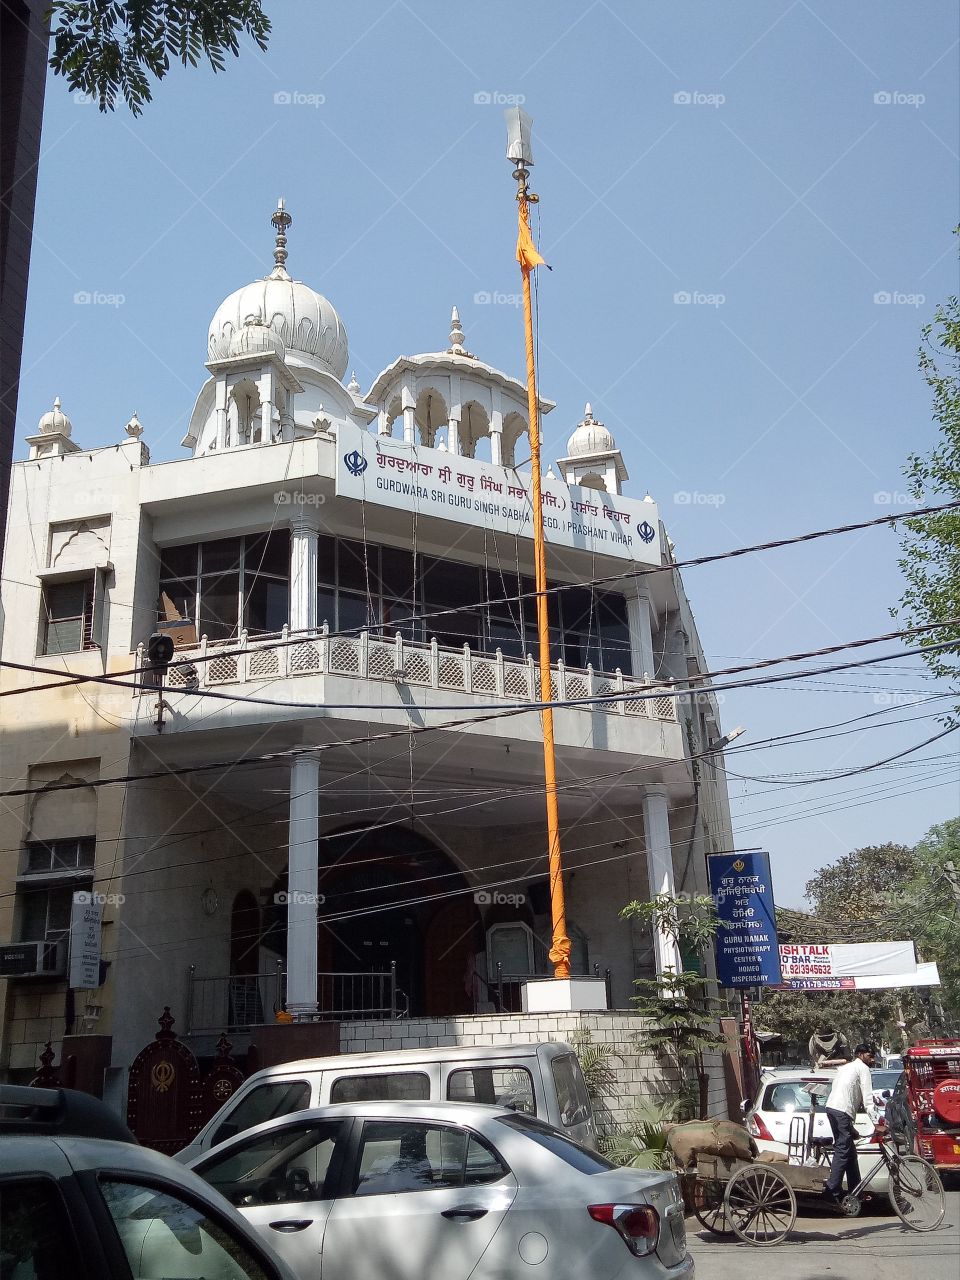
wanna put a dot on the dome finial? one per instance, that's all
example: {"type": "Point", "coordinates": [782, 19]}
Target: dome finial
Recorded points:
{"type": "Point", "coordinates": [588, 412]}
{"type": "Point", "coordinates": [134, 427]}
{"type": "Point", "coordinates": [353, 386]}
{"type": "Point", "coordinates": [281, 221]}
{"type": "Point", "coordinates": [457, 336]}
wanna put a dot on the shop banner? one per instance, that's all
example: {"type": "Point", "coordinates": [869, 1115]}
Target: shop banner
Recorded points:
{"type": "Point", "coordinates": [800, 960]}
{"type": "Point", "coordinates": [742, 888]}
{"type": "Point", "coordinates": [86, 918]}
{"type": "Point", "coordinates": [431, 482]}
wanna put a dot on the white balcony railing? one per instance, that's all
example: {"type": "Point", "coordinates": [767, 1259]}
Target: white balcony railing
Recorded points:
{"type": "Point", "coordinates": [429, 666]}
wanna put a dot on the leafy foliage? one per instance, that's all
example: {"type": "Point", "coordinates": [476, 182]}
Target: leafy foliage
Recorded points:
{"type": "Point", "coordinates": [931, 544]}
{"type": "Point", "coordinates": [643, 1143]}
{"type": "Point", "coordinates": [879, 892]}
{"type": "Point", "coordinates": [595, 1059]}
{"type": "Point", "coordinates": [109, 48]}
{"type": "Point", "coordinates": [683, 1026]}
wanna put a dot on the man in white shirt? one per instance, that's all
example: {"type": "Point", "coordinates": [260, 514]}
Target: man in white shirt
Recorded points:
{"type": "Point", "coordinates": [852, 1092]}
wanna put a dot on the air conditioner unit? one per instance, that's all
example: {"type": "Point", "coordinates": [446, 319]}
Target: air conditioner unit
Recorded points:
{"type": "Point", "coordinates": [33, 960]}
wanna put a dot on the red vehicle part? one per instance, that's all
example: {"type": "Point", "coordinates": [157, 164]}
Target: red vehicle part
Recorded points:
{"type": "Point", "coordinates": [932, 1069]}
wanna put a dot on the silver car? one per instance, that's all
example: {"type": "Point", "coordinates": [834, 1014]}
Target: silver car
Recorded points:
{"type": "Point", "coordinates": [452, 1190]}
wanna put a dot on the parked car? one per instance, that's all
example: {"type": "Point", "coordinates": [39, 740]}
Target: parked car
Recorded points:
{"type": "Point", "coordinates": [453, 1190]}
{"type": "Point", "coordinates": [884, 1082]}
{"type": "Point", "coordinates": [542, 1080]}
{"type": "Point", "coordinates": [893, 1062]}
{"type": "Point", "coordinates": [105, 1208]}
{"type": "Point", "coordinates": [923, 1112]}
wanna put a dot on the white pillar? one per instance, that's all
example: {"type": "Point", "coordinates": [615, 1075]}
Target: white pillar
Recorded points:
{"type": "Point", "coordinates": [223, 431]}
{"type": "Point", "coordinates": [304, 536]}
{"type": "Point", "coordinates": [639, 614]}
{"type": "Point", "coordinates": [302, 881]}
{"type": "Point", "coordinates": [656, 829]}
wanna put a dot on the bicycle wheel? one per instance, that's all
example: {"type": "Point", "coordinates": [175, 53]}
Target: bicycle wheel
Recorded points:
{"type": "Point", "coordinates": [916, 1193]}
{"type": "Point", "coordinates": [708, 1206]}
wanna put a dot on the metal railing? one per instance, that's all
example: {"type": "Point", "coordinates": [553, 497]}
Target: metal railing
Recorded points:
{"type": "Point", "coordinates": [236, 1002]}
{"type": "Point", "coordinates": [407, 662]}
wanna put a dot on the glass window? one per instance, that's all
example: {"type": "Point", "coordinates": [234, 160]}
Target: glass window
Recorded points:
{"type": "Point", "coordinates": [572, 1096]}
{"type": "Point", "coordinates": [35, 1236]}
{"type": "Point", "coordinates": [219, 606]}
{"type": "Point", "coordinates": [222, 556]}
{"type": "Point", "coordinates": [163, 1235]}
{"type": "Point", "coordinates": [268, 553]}
{"type": "Point", "coordinates": [496, 1086]}
{"type": "Point", "coordinates": [265, 1102]}
{"type": "Point", "coordinates": [327, 560]}
{"type": "Point", "coordinates": [179, 562]}
{"type": "Point", "coordinates": [284, 1166]}
{"type": "Point", "coordinates": [510, 946]}
{"type": "Point", "coordinates": [45, 913]}
{"type": "Point", "coordinates": [398, 1156]}
{"type": "Point", "coordinates": [580, 1158]}
{"type": "Point", "coordinates": [354, 613]}
{"type": "Point", "coordinates": [397, 572]}
{"type": "Point", "coordinates": [68, 616]}
{"type": "Point", "coordinates": [61, 855]}
{"type": "Point", "coordinates": [390, 1087]}
{"type": "Point", "coordinates": [182, 595]}
{"type": "Point", "coordinates": [327, 607]}
{"type": "Point", "coordinates": [266, 604]}
{"type": "Point", "coordinates": [358, 568]}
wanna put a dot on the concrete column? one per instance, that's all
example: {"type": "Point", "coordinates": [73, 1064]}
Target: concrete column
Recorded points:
{"type": "Point", "coordinates": [409, 425]}
{"type": "Point", "coordinates": [223, 432]}
{"type": "Point", "coordinates": [302, 883]}
{"type": "Point", "coordinates": [496, 427]}
{"type": "Point", "coordinates": [656, 829]}
{"type": "Point", "coordinates": [304, 537]}
{"type": "Point", "coordinates": [640, 612]}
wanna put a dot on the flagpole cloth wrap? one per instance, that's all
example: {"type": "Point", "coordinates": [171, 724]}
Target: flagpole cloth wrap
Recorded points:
{"type": "Point", "coordinates": [528, 257]}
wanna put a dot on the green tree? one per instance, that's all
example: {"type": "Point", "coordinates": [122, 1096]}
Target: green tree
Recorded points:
{"type": "Point", "coordinates": [110, 48]}
{"type": "Point", "coordinates": [681, 1008]}
{"type": "Point", "coordinates": [931, 544]}
{"type": "Point", "coordinates": [931, 908]}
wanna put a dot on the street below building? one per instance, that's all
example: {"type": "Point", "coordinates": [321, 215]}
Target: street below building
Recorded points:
{"type": "Point", "coordinates": [872, 1247]}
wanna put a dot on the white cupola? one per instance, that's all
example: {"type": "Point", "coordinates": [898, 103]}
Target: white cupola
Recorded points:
{"type": "Point", "coordinates": [452, 400]}
{"type": "Point", "coordinates": [593, 459]}
{"type": "Point", "coordinates": [52, 437]}
{"type": "Point", "coordinates": [277, 351]}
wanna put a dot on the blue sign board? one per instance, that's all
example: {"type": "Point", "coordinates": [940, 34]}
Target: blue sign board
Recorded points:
{"type": "Point", "coordinates": [748, 954]}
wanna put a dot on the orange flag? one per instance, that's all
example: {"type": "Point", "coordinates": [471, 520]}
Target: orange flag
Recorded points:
{"type": "Point", "coordinates": [527, 254]}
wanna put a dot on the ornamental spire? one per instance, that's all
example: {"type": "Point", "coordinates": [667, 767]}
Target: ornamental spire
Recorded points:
{"type": "Point", "coordinates": [281, 221]}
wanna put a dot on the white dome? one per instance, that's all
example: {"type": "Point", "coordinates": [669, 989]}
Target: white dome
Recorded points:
{"type": "Point", "coordinates": [304, 320]}
{"type": "Point", "coordinates": [255, 339]}
{"type": "Point", "coordinates": [590, 437]}
{"type": "Point", "coordinates": [54, 422]}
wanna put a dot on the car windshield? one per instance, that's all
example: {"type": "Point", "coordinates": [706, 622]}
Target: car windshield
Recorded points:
{"type": "Point", "coordinates": [884, 1080]}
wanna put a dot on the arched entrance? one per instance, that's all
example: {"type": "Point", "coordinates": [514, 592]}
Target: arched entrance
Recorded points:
{"type": "Point", "coordinates": [392, 896]}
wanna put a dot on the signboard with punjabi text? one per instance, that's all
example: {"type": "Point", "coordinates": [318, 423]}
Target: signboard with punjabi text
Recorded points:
{"type": "Point", "coordinates": [747, 949]}
{"type": "Point", "coordinates": [430, 482]}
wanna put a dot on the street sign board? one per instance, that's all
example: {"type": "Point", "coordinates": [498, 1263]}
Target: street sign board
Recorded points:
{"type": "Point", "coordinates": [826, 966]}
{"type": "Point", "coordinates": [86, 915]}
{"type": "Point", "coordinates": [747, 950]}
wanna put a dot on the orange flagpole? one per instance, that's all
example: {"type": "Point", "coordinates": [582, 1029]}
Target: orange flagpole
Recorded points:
{"type": "Point", "coordinates": [528, 257]}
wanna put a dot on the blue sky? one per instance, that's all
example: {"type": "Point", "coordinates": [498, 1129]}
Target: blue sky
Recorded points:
{"type": "Point", "coordinates": [790, 167]}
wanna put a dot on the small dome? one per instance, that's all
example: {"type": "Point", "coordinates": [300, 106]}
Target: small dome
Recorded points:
{"type": "Point", "coordinates": [590, 437]}
{"type": "Point", "coordinates": [54, 422]}
{"type": "Point", "coordinates": [306, 323]}
{"type": "Point", "coordinates": [255, 338]}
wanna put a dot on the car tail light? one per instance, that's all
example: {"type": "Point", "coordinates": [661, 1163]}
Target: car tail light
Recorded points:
{"type": "Point", "coordinates": [637, 1224]}
{"type": "Point", "coordinates": [757, 1129]}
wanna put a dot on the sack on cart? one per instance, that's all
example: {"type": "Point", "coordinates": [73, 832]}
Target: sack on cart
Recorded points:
{"type": "Point", "coordinates": [709, 1138]}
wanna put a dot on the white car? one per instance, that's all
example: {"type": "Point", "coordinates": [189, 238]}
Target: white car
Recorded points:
{"type": "Point", "coordinates": [780, 1113]}
{"type": "Point", "coordinates": [452, 1190]}
{"type": "Point", "coordinates": [104, 1208]}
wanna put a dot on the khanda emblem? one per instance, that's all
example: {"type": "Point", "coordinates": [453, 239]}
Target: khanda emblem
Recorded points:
{"type": "Point", "coordinates": [355, 462]}
{"type": "Point", "coordinates": [647, 532]}
{"type": "Point", "coordinates": [162, 1076]}
{"type": "Point", "coordinates": [739, 865]}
